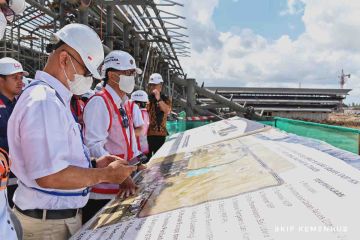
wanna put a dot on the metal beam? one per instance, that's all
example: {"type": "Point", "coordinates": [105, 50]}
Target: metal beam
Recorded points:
{"type": "Point", "coordinates": [84, 15]}
{"type": "Point", "coordinates": [175, 24]}
{"type": "Point", "coordinates": [109, 39]}
{"type": "Point", "coordinates": [126, 2]}
{"type": "Point", "coordinates": [62, 13]}
{"type": "Point", "coordinates": [42, 8]}
{"type": "Point", "coordinates": [172, 14]}
{"type": "Point", "coordinates": [172, 3]}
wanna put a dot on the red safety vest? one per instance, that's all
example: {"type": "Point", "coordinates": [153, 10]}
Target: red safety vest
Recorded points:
{"type": "Point", "coordinates": [142, 143]}
{"type": "Point", "coordinates": [111, 107]}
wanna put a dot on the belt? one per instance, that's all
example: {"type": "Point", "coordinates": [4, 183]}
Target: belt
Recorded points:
{"type": "Point", "coordinates": [49, 214]}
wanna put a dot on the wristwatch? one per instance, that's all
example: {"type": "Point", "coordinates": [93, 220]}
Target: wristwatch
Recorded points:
{"type": "Point", "coordinates": [93, 163]}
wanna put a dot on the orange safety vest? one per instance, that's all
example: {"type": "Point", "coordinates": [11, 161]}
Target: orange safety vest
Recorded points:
{"type": "Point", "coordinates": [5, 164]}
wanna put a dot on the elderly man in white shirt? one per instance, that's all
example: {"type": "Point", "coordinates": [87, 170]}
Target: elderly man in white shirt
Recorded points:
{"type": "Point", "coordinates": [112, 131]}
{"type": "Point", "coordinates": [49, 158]}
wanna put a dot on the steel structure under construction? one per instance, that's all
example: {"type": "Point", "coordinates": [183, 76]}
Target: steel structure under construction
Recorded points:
{"type": "Point", "coordinates": [136, 26]}
{"type": "Point", "coordinates": [144, 28]}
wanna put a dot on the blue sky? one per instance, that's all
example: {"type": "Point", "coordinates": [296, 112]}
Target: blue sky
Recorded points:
{"type": "Point", "coordinates": [287, 42]}
{"type": "Point", "coordinates": [262, 16]}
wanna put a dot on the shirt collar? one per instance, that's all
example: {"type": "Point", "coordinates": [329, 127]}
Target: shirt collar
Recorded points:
{"type": "Point", "coordinates": [64, 93]}
{"type": "Point", "coordinates": [118, 101]}
{"type": "Point", "coordinates": [6, 101]}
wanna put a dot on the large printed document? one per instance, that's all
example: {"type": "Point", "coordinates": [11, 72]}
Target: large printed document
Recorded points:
{"type": "Point", "coordinates": [237, 179]}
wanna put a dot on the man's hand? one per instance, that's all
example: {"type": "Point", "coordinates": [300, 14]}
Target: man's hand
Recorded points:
{"type": "Point", "coordinates": [141, 167]}
{"type": "Point", "coordinates": [157, 94]}
{"type": "Point", "coordinates": [127, 188]}
{"type": "Point", "coordinates": [117, 172]}
{"type": "Point", "coordinates": [106, 160]}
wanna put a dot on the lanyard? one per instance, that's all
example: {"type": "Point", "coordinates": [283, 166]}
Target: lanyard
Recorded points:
{"type": "Point", "coordinates": [127, 139]}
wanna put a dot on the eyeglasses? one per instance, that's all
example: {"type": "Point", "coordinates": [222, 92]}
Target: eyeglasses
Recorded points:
{"type": "Point", "coordinates": [87, 72]}
{"type": "Point", "coordinates": [8, 13]}
{"type": "Point", "coordinates": [125, 73]}
{"type": "Point", "coordinates": [125, 119]}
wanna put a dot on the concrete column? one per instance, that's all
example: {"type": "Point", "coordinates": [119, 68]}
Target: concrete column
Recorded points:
{"type": "Point", "coordinates": [137, 49]}
{"type": "Point", "coordinates": [126, 41]}
{"type": "Point", "coordinates": [84, 15]}
{"type": "Point", "coordinates": [12, 43]}
{"type": "Point", "coordinates": [109, 40]}
{"type": "Point", "coordinates": [190, 96]}
{"type": "Point", "coordinates": [62, 13]}
{"type": "Point", "coordinates": [18, 42]}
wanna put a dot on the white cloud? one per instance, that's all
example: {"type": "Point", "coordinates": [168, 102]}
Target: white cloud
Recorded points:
{"type": "Point", "coordinates": [241, 57]}
{"type": "Point", "coordinates": [293, 7]}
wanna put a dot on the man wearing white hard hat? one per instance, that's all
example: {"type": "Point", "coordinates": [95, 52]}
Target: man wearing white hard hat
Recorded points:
{"type": "Point", "coordinates": [159, 108]}
{"type": "Point", "coordinates": [49, 158]}
{"type": "Point", "coordinates": [112, 130]}
{"type": "Point", "coordinates": [8, 10]}
{"type": "Point", "coordinates": [141, 99]}
{"type": "Point", "coordinates": [11, 75]}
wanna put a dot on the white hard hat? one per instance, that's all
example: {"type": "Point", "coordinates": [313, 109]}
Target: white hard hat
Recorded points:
{"type": "Point", "coordinates": [86, 43]}
{"type": "Point", "coordinates": [140, 96]}
{"type": "Point", "coordinates": [18, 6]}
{"type": "Point", "coordinates": [10, 66]}
{"type": "Point", "coordinates": [119, 60]}
{"type": "Point", "coordinates": [155, 78]}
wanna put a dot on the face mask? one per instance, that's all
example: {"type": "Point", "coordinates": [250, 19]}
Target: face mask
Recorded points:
{"type": "Point", "coordinates": [3, 24]}
{"type": "Point", "coordinates": [81, 84]}
{"type": "Point", "coordinates": [127, 83]}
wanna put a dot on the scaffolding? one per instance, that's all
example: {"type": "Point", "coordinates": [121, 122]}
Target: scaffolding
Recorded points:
{"type": "Point", "coordinates": [138, 27]}
{"type": "Point", "coordinates": [144, 28]}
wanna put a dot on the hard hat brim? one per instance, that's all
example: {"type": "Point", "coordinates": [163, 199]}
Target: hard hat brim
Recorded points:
{"type": "Point", "coordinates": [26, 73]}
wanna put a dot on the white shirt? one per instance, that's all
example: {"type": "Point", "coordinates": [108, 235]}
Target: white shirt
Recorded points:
{"type": "Point", "coordinates": [44, 139]}
{"type": "Point", "coordinates": [97, 119]}
{"type": "Point", "coordinates": [7, 230]}
{"type": "Point", "coordinates": [137, 116]}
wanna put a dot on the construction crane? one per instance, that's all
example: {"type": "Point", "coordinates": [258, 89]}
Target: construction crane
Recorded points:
{"type": "Point", "coordinates": [343, 78]}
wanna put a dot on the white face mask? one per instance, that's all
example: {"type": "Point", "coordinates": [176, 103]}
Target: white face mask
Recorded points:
{"type": "Point", "coordinates": [127, 83]}
{"type": "Point", "coordinates": [3, 24]}
{"type": "Point", "coordinates": [81, 84]}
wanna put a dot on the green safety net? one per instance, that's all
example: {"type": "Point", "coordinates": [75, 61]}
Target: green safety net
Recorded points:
{"type": "Point", "coordinates": [340, 137]}
{"type": "Point", "coordinates": [181, 125]}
